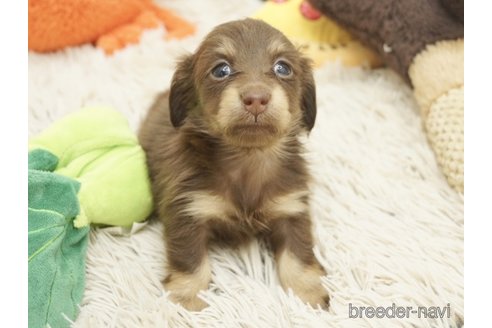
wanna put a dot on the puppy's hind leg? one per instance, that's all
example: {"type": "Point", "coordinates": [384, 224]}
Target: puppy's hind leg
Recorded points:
{"type": "Point", "coordinates": [297, 266]}
{"type": "Point", "coordinates": [188, 264]}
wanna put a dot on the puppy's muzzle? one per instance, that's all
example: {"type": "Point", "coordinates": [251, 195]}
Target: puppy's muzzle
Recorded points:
{"type": "Point", "coordinates": [255, 100]}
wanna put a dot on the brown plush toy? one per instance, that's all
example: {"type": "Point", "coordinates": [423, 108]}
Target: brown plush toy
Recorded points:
{"type": "Point", "coordinates": [423, 41]}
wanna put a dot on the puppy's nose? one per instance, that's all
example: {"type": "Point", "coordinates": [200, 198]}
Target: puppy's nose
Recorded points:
{"type": "Point", "coordinates": [255, 101]}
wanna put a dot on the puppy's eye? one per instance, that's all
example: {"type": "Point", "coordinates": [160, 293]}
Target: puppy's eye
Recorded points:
{"type": "Point", "coordinates": [221, 71]}
{"type": "Point", "coordinates": [281, 68]}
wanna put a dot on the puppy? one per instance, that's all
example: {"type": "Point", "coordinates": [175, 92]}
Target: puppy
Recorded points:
{"type": "Point", "coordinates": [226, 162]}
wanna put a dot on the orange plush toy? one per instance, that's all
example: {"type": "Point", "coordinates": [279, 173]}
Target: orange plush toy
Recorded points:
{"type": "Point", "coordinates": [110, 24]}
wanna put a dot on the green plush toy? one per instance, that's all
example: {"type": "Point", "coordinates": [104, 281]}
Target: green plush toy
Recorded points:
{"type": "Point", "coordinates": [96, 147]}
{"type": "Point", "coordinates": [56, 248]}
{"type": "Point", "coordinates": [86, 168]}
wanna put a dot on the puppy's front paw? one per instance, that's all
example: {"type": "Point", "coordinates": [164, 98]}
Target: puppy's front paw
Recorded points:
{"type": "Point", "coordinates": [184, 288]}
{"type": "Point", "coordinates": [189, 302]}
{"type": "Point", "coordinates": [304, 280]}
{"type": "Point", "coordinates": [308, 287]}
{"type": "Point", "coordinates": [312, 292]}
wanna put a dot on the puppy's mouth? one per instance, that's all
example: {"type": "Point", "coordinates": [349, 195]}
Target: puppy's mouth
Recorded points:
{"type": "Point", "coordinates": [253, 129]}
{"type": "Point", "coordinates": [252, 134]}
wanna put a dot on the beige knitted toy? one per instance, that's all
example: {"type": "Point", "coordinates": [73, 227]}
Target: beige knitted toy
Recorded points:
{"type": "Point", "coordinates": [437, 77]}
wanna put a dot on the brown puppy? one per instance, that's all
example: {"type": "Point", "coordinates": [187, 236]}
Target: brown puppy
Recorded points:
{"type": "Point", "coordinates": [225, 160]}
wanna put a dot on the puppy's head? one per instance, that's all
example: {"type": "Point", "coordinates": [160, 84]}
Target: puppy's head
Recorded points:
{"type": "Point", "coordinates": [247, 84]}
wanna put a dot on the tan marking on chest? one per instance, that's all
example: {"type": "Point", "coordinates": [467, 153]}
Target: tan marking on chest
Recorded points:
{"type": "Point", "coordinates": [207, 206]}
{"type": "Point", "coordinates": [287, 205]}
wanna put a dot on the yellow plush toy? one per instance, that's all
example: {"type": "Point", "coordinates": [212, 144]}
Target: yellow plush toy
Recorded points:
{"type": "Point", "coordinates": [318, 37]}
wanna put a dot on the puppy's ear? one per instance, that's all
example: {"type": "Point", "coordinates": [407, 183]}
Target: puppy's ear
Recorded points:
{"type": "Point", "coordinates": [182, 96]}
{"type": "Point", "coordinates": [308, 95]}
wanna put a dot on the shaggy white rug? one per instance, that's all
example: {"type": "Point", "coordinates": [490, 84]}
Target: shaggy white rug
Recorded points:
{"type": "Point", "coordinates": [389, 229]}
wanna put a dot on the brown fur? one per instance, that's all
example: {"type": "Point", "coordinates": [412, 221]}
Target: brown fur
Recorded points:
{"type": "Point", "coordinates": [222, 175]}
